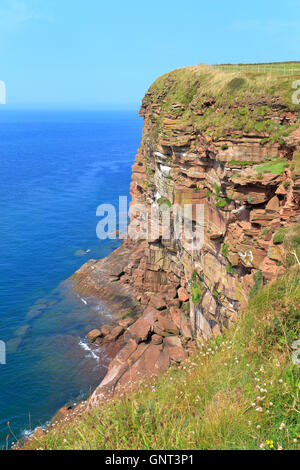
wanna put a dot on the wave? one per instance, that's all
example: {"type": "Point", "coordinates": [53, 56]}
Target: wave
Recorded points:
{"type": "Point", "coordinates": [91, 352]}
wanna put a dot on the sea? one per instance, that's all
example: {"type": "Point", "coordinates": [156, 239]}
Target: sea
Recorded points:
{"type": "Point", "coordinates": [56, 168]}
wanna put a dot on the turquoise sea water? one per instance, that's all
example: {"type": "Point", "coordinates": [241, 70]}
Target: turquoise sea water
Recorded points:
{"type": "Point", "coordinates": [55, 169]}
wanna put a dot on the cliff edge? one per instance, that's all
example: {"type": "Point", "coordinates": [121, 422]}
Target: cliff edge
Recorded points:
{"type": "Point", "coordinates": [229, 141]}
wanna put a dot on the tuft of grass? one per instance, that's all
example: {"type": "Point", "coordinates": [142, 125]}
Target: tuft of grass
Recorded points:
{"type": "Point", "coordinates": [292, 245]}
{"type": "Point", "coordinates": [130, 312]}
{"type": "Point", "coordinates": [279, 236]}
{"type": "Point", "coordinates": [258, 284]}
{"type": "Point", "coordinates": [240, 391]}
{"type": "Point", "coordinates": [196, 288]}
{"type": "Point", "coordinates": [164, 201]}
{"type": "Point", "coordinates": [225, 249]}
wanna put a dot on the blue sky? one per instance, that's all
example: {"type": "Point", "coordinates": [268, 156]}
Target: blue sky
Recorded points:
{"type": "Point", "coordinates": [72, 54]}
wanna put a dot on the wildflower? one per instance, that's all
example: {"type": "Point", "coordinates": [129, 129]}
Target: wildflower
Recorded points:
{"type": "Point", "coordinates": [280, 381]}
{"type": "Point", "coordinates": [295, 440]}
{"type": "Point", "coordinates": [271, 404]}
{"type": "Point", "coordinates": [269, 443]}
{"type": "Point", "coordinates": [262, 446]}
{"type": "Point", "coordinates": [253, 404]}
{"type": "Point", "coordinates": [258, 426]}
{"type": "Point", "coordinates": [282, 425]}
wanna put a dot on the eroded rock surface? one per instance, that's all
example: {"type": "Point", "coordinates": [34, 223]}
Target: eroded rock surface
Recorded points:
{"type": "Point", "coordinates": [249, 185]}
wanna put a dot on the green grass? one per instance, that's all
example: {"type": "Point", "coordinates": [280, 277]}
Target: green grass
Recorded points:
{"type": "Point", "coordinates": [240, 391]}
{"type": "Point", "coordinates": [241, 163]}
{"type": "Point", "coordinates": [222, 202]}
{"type": "Point", "coordinates": [196, 288]}
{"type": "Point", "coordinates": [277, 166]}
{"type": "Point", "coordinates": [292, 245]}
{"type": "Point", "coordinates": [163, 201]}
{"type": "Point", "coordinates": [279, 236]}
{"type": "Point", "coordinates": [225, 249]}
{"type": "Point", "coordinates": [258, 284]}
{"type": "Point", "coordinates": [203, 90]}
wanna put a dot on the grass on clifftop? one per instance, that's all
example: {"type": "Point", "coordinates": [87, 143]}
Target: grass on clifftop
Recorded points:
{"type": "Point", "coordinates": [241, 391]}
{"type": "Point", "coordinates": [225, 102]}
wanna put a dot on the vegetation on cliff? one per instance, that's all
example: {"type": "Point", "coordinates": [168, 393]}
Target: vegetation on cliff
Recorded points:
{"type": "Point", "coordinates": [240, 391]}
{"type": "Point", "coordinates": [224, 103]}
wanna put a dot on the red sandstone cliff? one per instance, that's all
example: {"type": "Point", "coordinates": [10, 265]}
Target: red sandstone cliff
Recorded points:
{"type": "Point", "coordinates": [233, 145]}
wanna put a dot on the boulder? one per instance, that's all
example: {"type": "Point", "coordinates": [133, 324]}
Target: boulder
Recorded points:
{"type": "Point", "coordinates": [106, 329]}
{"type": "Point", "coordinates": [140, 330]}
{"type": "Point", "coordinates": [93, 335]}
{"type": "Point", "coordinates": [114, 334]}
{"type": "Point", "coordinates": [273, 205]}
{"type": "Point", "coordinates": [172, 341]}
{"type": "Point", "coordinates": [174, 347]}
{"type": "Point", "coordinates": [116, 369]}
{"type": "Point", "coordinates": [158, 301]}
{"type": "Point", "coordinates": [185, 327]}
{"type": "Point", "coordinates": [165, 326]}
{"type": "Point", "coordinates": [175, 315]}
{"type": "Point", "coordinates": [182, 294]}
{"type": "Point", "coordinates": [126, 322]}
{"type": "Point", "coordinates": [156, 339]}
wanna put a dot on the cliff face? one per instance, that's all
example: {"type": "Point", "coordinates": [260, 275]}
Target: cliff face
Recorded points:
{"type": "Point", "coordinates": [232, 143]}
{"type": "Point", "coordinates": [243, 179]}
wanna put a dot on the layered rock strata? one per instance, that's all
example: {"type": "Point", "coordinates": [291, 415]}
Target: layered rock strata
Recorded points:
{"type": "Point", "coordinates": [248, 182]}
